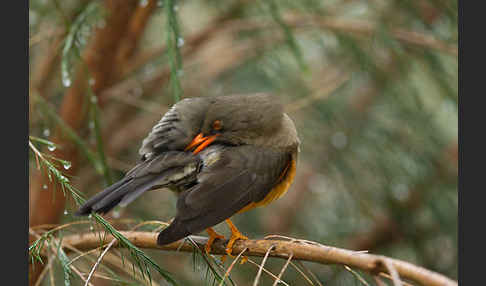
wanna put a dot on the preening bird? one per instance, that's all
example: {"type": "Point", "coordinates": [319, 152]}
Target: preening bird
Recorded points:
{"type": "Point", "coordinates": [221, 155]}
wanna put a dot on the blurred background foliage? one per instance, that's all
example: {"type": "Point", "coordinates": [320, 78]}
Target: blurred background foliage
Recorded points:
{"type": "Point", "coordinates": [371, 85]}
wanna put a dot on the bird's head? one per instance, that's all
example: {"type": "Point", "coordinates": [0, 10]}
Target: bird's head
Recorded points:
{"type": "Point", "coordinates": [241, 119]}
{"type": "Point", "coordinates": [194, 123]}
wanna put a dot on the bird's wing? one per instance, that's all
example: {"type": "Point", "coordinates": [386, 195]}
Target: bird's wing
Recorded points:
{"type": "Point", "coordinates": [230, 179]}
{"type": "Point", "coordinates": [169, 168]}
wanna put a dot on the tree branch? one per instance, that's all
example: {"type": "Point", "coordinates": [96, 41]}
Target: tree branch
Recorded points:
{"type": "Point", "coordinates": [299, 249]}
{"type": "Point", "coordinates": [99, 58]}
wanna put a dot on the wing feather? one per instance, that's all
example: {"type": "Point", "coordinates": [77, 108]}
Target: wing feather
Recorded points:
{"type": "Point", "coordinates": [241, 175]}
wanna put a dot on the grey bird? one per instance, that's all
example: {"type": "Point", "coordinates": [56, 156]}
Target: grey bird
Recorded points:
{"type": "Point", "coordinates": [221, 155]}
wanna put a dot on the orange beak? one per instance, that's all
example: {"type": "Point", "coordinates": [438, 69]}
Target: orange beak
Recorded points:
{"type": "Point", "coordinates": [201, 142]}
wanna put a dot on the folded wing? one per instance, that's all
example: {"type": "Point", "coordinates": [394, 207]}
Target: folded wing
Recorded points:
{"type": "Point", "coordinates": [230, 179]}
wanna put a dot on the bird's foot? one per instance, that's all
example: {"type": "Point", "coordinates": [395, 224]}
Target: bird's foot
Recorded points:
{"type": "Point", "coordinates": [235, 235]}
{"type": "Point", "coordinates": [213, 235]}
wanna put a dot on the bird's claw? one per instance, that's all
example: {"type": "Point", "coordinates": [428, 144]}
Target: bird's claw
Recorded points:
{"type": "Point", "coordinates": [233, 239]}
{"type": "Point", "coordinates": [213, 235]}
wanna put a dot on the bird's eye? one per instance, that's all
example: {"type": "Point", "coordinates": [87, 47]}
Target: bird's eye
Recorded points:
{"type": "Point", "coordinates": [146, 156]}
{"type": "Point", "coordinates": [217, 125]}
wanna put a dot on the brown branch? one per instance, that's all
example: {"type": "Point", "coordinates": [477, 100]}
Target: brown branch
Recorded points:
{"type": "Point", "coordinates": [45, 65]}
{"type": "Point", "coordinates": [405, 36]}
{"type": "Point", "coordinates": [101, 56]}
{"type": "Point", "coordinates": [45, 34]}
{"type": "Point", "coordinates": [301, 250]}
{"type": "Point", "coordinates": [368, 28]}
{"type": "Point", "coordinates": [135, 30]}
{"type": "Point", "coordinates": [43, 69]}
{"type": "Point", "coordinates": [330, 81]}
{"type": "Point", "coordinates": [45, 207]}
{"type": "Point", "coordinates": [354, 27]}
{"type": "Point", "coordinates": [194, 41]}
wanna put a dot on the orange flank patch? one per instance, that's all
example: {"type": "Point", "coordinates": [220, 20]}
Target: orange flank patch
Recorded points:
{"type": "Point", "coordinates": [277, 191]}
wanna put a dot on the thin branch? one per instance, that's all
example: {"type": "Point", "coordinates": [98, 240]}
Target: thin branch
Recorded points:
{"type": "Point", "coordinates": [99, 261]}
{"type": "Point", "coordinates": [114, 260]}
{"type": "Point", "coordinates": [355, 274]}
{"type": "Point", "coordinates": [332, 80]}
{"type": "Point", "coordinates": [294, 21]}
{"type": "Point", "coordinates": [313, 252]}
{"type": "Point", "coordinates": [45, 34]}
{"type": "Point", "coordinates": [368, 28]}
{"type": "Point", "coordinates": [301, 272]}
{"type": "Point", "coordinates": [378, 281]}
{"type": "Point", "coordinates": [393, 272]}
{"type": "Point", "coordinates": [388, 276]}
{"type": "Point", "coordinates": [51, 278]}
{"type": "Point", "coordinates": [226, 274]}
{"type": "Point", "coordinates": [309, 272]}
{"type": "Point", "coordinates": [44, 271]}
{"type": "Point", "coordinates": [356, 27]}
{"type": "Point", "coordinates": [283, 270]}
{"type": "Point", "coordinates": [257, 278]}
{"type": "Point", "coordinates": [268, 272]}
{"type": "Point", "coordinates": [80, 275]}
{"type": "Point", "coordinates": [81, 254]}
{"type": "Point", "coordinates": [53, 251]}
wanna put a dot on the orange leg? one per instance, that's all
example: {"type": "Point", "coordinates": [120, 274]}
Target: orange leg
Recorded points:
{"type": "Point", "coordinates": [212, 236]}
{"type": "Point", "coordinates": [235, 235]}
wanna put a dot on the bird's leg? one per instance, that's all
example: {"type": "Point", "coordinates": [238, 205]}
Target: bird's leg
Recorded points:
{"type": "Point", "coordinates": [212, 236]}
{"type": "Point", "coordinates": [235, 234]}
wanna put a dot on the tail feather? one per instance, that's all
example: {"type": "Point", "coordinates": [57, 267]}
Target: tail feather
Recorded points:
{"type": "Point", "coordinates": [136, 185]}
{"type": "Point", "coordinates": [87, 207]}
{"type": "Point", "coordinates": [122, 192]}
{"type": "Point", "coordinates": [127, 190]}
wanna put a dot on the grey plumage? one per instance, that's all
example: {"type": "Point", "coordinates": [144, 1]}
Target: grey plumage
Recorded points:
{"type": "Point", "coordinates": [171, 169]}
{"type": "Point", "coordinates": [245, 161]}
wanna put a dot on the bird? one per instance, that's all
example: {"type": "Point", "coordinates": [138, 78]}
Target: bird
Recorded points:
{"type": "Point", "coordinates": [221, 155]}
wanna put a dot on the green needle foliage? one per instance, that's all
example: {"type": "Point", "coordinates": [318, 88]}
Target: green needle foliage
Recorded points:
{"type": "Point", "coordinates": [66, 129]}
{"type": "Point", "coordinates": [74, 39]}
{"type": "Point", "coordinates": [174, 42]}
{"type": "Point", "coordinates": [289, 35]}
{"type": "Point", "coordinates": [64, 260]}
{"type": "Point", "coordinates": [95, 119]}
{"type": "Point", "coordinates": [139, 257]}
{"type": "Point", "coordinates": [200, 259]}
